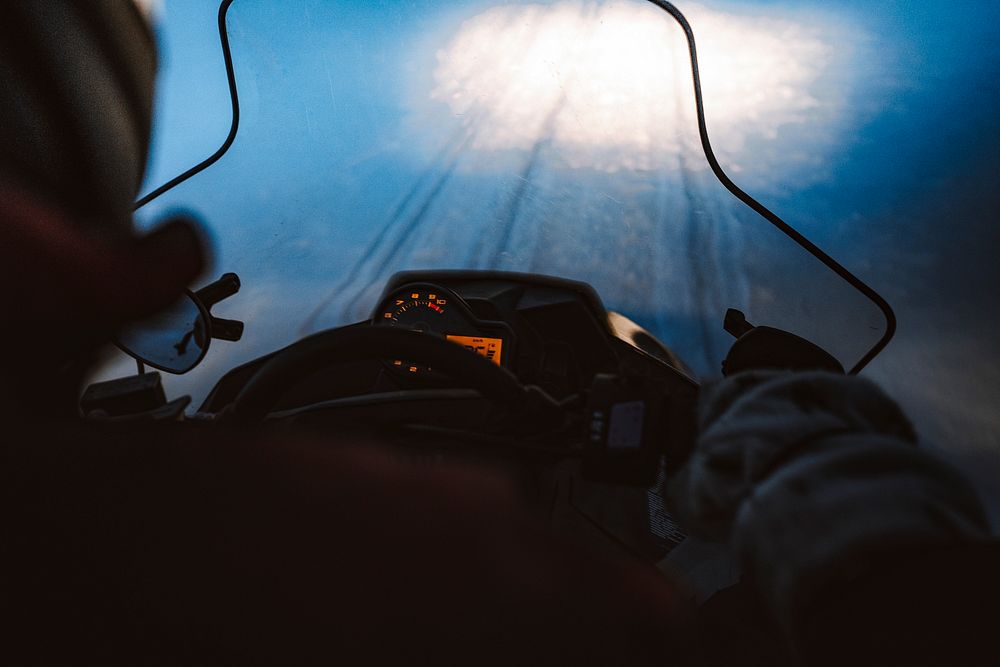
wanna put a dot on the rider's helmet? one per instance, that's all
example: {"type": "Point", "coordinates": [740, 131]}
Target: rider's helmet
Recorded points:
{"type": "Point", "coordinates": [76, 103]}
{"type": "Point", "coordinates": [76, 98]}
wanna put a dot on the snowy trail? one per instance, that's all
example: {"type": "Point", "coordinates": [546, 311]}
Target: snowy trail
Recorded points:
{"type": "Point", "coordinates": [661, 246]}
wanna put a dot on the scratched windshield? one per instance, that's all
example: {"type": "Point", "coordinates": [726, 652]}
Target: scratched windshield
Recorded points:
{"type": "Point", "coordinates": [557, 138]}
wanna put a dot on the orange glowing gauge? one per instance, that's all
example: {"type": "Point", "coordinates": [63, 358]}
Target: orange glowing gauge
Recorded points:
{"type": "Point", "coordinates": [413, 312]}
{"type": "Point", "coordinates": [435, 310]}
{"type": "Point", "coordinates": [491, 348]}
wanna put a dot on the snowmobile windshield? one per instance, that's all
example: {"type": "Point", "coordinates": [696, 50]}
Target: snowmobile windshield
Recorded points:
{"type": "Point", "coordinates": [558, 138]}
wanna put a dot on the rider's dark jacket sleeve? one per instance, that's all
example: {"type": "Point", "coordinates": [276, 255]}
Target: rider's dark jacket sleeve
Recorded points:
{"type": "Point", "coordinates": [816, 481]}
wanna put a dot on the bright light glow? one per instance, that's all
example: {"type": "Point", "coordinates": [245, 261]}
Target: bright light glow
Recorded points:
{"type": "Point", "coordinates": [608, 85]}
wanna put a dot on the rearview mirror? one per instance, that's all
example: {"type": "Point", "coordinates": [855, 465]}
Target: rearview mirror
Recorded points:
{"type": "Point", "coordinates": [174, 340]}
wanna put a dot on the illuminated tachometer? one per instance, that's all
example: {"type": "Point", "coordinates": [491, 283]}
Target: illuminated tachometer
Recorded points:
{"type": "Point", "coordinates": [425, 310]}
{"type": "Point", "coordinates": [437, 311]}
{"type": "Point", "coordinates": [420, 311]}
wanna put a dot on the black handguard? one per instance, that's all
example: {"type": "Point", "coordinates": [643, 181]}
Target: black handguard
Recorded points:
{"type": "Point", "coordinates": [767, 348]}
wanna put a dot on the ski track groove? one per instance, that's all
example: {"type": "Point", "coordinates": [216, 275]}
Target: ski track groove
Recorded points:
{"type": "Point", "coordinates": [650, 243]}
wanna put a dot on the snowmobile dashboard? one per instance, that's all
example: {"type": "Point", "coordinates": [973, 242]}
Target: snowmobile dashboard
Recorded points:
{"type": "Point", "coordinates": [546, 331]}
{"type": "Point", "coordinates": [485, 354]}
{"type": "Point", "coordinates": [528, 377]}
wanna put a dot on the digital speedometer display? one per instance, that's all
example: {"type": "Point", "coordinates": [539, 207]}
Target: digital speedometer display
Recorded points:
{"type": "Point", "coordinates": [491, 348]}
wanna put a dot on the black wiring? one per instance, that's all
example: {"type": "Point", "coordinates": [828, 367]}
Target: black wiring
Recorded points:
{"type": "Point", "coordinates": [227, 56]}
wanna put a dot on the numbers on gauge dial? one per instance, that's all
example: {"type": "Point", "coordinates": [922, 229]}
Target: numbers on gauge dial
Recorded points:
{"type": "Point", "coordinates": [421, 311]}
